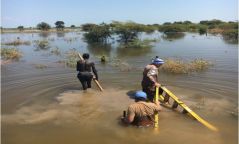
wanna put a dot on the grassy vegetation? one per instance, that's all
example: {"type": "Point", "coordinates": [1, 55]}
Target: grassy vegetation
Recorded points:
{"type": "Point", "coordinates": [56, 51]}
{"type": "Point", "coordinates": [71, 58]}
{"type": "Point", "coordinates": [10, 53]}
{"type": "Point", "coordinates": [177, 66]}
{"type": "Point", "coordinates": [40, 66]}
{"type": "Point", "coordinates": [17, 42]}
{"type": "Point", "coordinates": [42, 45]}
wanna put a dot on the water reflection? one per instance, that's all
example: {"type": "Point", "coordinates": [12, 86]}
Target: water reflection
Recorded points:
{"type": "Point", "coordinates": [132, 51]}
{"type": "Point", "coordinates": [173, 36]}
{"type": "Point", "coordinates": [60, 34]}
{"type": "Point", "coordinates": [99, 49]}
{"type": "Point", "coordinates": [230, 40]}
{"type": "Point", "coordinates": [44, 34]}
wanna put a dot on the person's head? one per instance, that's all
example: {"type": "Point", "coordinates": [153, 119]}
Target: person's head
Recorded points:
{"type": "Point", "coordinates": [157, 61]}
{"type": "Point", "coordinates": [140, 96]}
{"type": "Point", "coordinates": [86, 56]}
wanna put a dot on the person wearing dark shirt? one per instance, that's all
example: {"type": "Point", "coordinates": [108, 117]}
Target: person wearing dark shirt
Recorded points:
{"type": "Point", "coordinates": [85, 69]}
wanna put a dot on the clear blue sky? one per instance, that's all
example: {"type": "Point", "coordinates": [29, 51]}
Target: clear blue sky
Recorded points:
{"type": "Point", "coordinates": [31, 12]}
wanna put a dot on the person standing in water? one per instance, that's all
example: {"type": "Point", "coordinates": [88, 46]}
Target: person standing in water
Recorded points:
{"type": "Point", "coordinates": [85, 68]}
{"type": "Point", "coordinates": [150, 78]}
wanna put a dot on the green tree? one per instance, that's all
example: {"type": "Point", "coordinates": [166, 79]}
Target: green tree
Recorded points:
{"type": "Point", "coordinates": [187, 22]}
{"type": "Point", "coordinates": [167, 23]}
{"type": "Point", "coordinates": [127, 31]}
{"type": "Point", "coordinates": [98, 33]}
{"type": "Point", "coordinates": [59, 25]}
{"type": "Point", "coordinates": [20, 28]}
{"type": "Point", "coordinates": [43, 26]}
{"type": "Point", "coordinates": [173, 28]}
{"type": "Point", "coordinates": [87, 27]}
{"type": "Point", "coordinates": [73, 26]}
{"type": "Point", "coordinates": [202, 30]}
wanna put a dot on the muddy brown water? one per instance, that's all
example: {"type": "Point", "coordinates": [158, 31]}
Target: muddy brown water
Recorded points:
{"type": "Point", "coordinates": [48, 106]}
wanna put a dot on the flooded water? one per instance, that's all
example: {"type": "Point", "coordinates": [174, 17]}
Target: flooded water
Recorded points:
{"type": "Point", "coordinates": [48, 106]}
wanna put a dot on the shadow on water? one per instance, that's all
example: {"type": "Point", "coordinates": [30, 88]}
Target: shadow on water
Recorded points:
{"type": "Point", "coordinates": [173, 36]}
{"type": "Point", "coordinates": [99, 49]}
{"type": "Point", "coordinates": [131, 94]}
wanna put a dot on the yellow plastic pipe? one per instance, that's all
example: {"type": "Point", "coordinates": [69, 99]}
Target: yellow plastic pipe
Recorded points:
{"type": "Point", "coordinates": [156, 116]}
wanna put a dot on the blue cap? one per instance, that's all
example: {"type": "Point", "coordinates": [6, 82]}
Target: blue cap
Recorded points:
{"type": "Point", "coordinates": [140, 94]}
{"type": "Point", "coordinates": [158, 61]}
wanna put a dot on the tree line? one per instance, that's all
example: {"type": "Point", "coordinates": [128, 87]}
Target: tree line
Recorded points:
{"type": "Point", "coordinates": [128, 31]}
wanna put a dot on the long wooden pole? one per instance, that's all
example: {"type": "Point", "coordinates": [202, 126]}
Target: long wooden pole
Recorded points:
{"type": "Point", "coordinates": [96, 81]}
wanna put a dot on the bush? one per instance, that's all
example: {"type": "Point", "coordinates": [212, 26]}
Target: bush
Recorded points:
{"type": "Point", "coordinates": [127, 31]}
{"type": "Point", "coordinates": [18, 42]}
{"type": "Point", "coordinates": [43, 26]}
{"type": "Point", "coordinates": [10, 53]}
{"type": "Point", "coordinates": [42, 45]}
{"type": "Point", "coordinates": [98, 33]}
{"type": "Point", "coordinates": [202, 30]}
{"type": "Point", "coordinates": [176, 66]}
{"type": "Point", "coordinates": [173, 28]}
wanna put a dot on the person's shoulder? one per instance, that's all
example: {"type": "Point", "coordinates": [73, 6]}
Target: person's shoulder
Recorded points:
{"type": "Point", "coordinates": [149, 104]}
{"type": "Point", "coordinates": [80, 61]}
{"type": "Point", "coordinates": [133, 105]}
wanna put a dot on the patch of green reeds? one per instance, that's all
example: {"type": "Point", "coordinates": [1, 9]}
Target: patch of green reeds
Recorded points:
{"type": "Point", "coordinates": [10, 53]}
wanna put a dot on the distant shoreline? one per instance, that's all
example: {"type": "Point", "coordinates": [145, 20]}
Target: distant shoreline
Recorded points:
{"type": "Point", "coordinates": [35, 30]}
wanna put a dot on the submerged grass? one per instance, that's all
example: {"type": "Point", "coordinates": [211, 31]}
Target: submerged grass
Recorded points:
{"type": "Point", "coordinates": [177, 66]}
{"type": "Point", "coordinates": [18, 42]}
{"type": "Point", "coordinates": [56, 51]}
{"type": "Point", "coordinates": [71, 58]}
{"type": "Point", "coordinates": [42, 44]}
{"type": "Point", "coordinates": [40, 66]}
{"type": "Point", "coordinates": [10, 53]}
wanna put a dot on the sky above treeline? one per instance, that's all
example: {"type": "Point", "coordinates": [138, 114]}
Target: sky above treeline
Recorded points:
{"type": "Point", "coordinates": [29, 13]}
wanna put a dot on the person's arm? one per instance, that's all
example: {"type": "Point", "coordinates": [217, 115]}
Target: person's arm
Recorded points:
{"type": "Point", "coordinates": [94, 71]}
{"type": "Point", "coordinates": [129, 118]}
{"type": "Point", "coordinates": [157, 84]}
{"type": "Point", "coordinates": [158, 107]}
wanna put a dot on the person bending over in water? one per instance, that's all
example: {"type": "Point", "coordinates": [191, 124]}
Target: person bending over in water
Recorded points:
{"type": "Point", "coordinates": [141, 113]}
{"type": "Point", "coordinates": [85, 68]}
